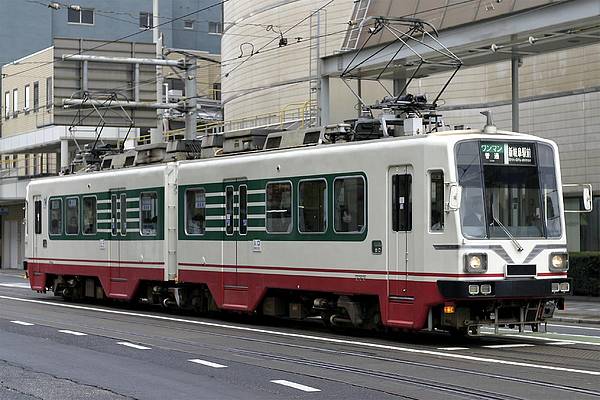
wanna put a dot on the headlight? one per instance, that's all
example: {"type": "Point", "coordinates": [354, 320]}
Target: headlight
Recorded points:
{"type": "Point", "coordinates": [476, 263]}
{"type": "Point", "coordinates": [559, 262]}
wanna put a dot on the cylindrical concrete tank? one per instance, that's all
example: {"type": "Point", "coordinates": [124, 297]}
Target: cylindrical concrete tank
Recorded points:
{"type": "Point", "coordinates": [275, 78]}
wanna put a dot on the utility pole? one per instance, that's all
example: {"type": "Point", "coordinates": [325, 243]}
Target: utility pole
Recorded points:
{"type": "Point", "coordinates": [191, 97]}
{"type": "Point", "coordinates": [156, 135]}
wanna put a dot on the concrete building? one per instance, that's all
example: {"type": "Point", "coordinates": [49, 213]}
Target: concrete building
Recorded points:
{"type": "Point", "coordinates": [35, 134]}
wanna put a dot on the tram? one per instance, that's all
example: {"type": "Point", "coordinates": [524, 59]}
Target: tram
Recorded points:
{"type": "Point", "coordinates": [451, 230]}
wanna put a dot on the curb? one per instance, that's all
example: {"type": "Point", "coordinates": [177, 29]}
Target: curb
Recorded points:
{"type": "Point", "coordinates": [575, 320]}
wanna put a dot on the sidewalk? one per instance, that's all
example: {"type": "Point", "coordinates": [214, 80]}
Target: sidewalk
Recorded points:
{"type": "Point", "coordinates": [579, 310]}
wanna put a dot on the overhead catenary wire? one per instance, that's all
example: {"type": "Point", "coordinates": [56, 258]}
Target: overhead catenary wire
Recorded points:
{"type": "Point", "coordinates": [220, 3]}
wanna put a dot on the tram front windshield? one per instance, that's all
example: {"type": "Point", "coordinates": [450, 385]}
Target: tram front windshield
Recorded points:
{"type": "Point", "coordinates": [509, 189]}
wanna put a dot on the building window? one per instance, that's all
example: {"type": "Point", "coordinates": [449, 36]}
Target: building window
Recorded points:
{"type": "Point", "coordinates": [6, 105]}
{"type": "Point", "coordinates": [89, 215]}
{"type": "Point", "coordinates": [215, 28]}
{"type": "Point", "coordinates": [83, 16]}
{"type": "Point", "coordinates": [146, 20]}
{"type": "Point", "coordinates": [72, 216]}
{"type": "Point", "coordinates": [217, 91]}
{"type": "Point", "coordinates": [27, 98]}
{"type": "Point", "coordinates": [15, 100]}
{"type": "Point", "coordinates": [188, 24]}
{"type": "Point", "coordinates": [36, 96]}
{"type": "Point", "coordinates": [312, 206]}
{"type": "Point", "coordinates": [436, 218]}
{"type": "Point", "coordinates": [349, 204]}
{"type": "Point", "coordinates": [55, 217]}
{"type": "Point", "coordinates": [49, 99]}
{"type": "Point", "coordinates": [195, 212]}
{"type": "Point", "coordinates": [279, 207]}
{"type": "Point", "coordinates": [148, 214]}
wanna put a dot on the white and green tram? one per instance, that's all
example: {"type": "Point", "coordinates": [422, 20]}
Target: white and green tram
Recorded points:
{"type": "Point", "coordinates": [451, 230]}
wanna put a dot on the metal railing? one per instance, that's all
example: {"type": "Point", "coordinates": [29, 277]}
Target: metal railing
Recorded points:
{"type": "Point", "coordinates": [302, 114]}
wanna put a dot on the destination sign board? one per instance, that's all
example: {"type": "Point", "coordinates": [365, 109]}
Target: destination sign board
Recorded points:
{"type": "Point", "coordinates": [507, 153]}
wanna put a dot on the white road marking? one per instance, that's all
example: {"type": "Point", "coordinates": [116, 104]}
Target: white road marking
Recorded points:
{"type": "Point", "coordinates": [560, 343]}
{"type": "Point", "coordinates": [312, 337]}
{"type": "Point", "coordinates": [207, 363]}
{"type": "Point", "coordinates": [22, 323]}
{"type": "Point", "coordinates": [134, 346]}
{"type": "Point", "coordinates": [452, 348]}
{"type": "Point", "coordinates": [74, 333]}
{"type": "Point", "coordinates": [507, 346]}
{"type": "Point", "coordinates": [555, 340]}
{"type": "Point", "coordinates": [16, 285]}
{"type": "Point", "coordinates": [295, 385]}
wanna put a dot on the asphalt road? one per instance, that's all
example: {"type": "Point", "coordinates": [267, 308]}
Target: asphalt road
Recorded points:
{"type": "Point", "coordinates": [52, 349]}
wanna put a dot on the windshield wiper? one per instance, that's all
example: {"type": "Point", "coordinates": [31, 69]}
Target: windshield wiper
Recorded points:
{"type": "Point", "coordinates": [511, 237]}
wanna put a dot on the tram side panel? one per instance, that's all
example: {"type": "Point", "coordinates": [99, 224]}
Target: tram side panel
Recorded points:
{"type": "Point", "coordinates": [104, 225]}
{"type": "Point", "coordinates": [242, 258]}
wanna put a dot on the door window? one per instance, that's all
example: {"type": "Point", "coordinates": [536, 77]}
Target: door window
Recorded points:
{"type": "Point", "coordinates": [229, 210]}
{"type": "Point", "coordinates": [402, 203]}
{"type": "Point", "coordinates": [38, 216]}
{"type": "Point", "coordinates": [123, 204]}
{"type": "Point", "coordinates": [243, 193]}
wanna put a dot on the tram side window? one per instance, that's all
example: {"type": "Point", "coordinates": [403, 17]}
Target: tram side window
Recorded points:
{"type": "Point", "coordinates": [279, 207]}
{"type": "Point", "coordinates": [195, 211]}
{"type": "Point", "coordinates": [38, 216]}
{"type": "Point", "coordinates": [436, 219]}
{"type": "Point", "coordinates": [55, 216]}
{"type": "Point", "coordinates": [89, 215]}
{"type": "Point", "coordinates": [148, 214]}
{"type": "Point", "coordinates": [402, 203]}
{"type": "Point", "coordinates": [349, 204]}
{"type": "Point", "coordinates": [312, 206]}
{"type": "Point", "coordinates": [72, 216]}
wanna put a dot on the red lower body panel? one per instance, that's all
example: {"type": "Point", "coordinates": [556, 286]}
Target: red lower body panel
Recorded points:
{"type": "Point", "coordinates": [245, 291]}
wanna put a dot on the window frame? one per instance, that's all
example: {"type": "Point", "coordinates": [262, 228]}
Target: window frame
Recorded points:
{"type": "Point", "coordinates": [7, 104]}
{"type": "Point", "coordinates": [27, 99]}
{"type": "Point", "coordinates": [36, 96]}
{"type": "Point", "coordinates": [365, 193]}
{"type": "Point", "coordinates": [66, 205]}
{"type": "Point", "coordinates": [218, 30]}
{"type": "Point", "coordinates": [430, 205]}
{"type": "Point", "coordinates": [60, 200]}
{"type": "Point", "coordinates": [141, 231]}
{"type": "Point", "coordinates": [291, 228]}
{"type": "Point", "coordinates": [149, 20]}
{"type": "Point", "coordinates": [186, 211]}
{"type": "Point", "coordinates": [189, 28]}
{"type": "Point", "coordinates": [15, 101]}
{"type": "Point", "coordinates": [326, 206]}
{"type": "Point", "coordinates": [92, 196]}
{"type": "Point", "coordinates": [80, 14]}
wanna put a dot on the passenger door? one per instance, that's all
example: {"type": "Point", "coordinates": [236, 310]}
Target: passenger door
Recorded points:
{"type": "Point", "coordinates": [236, 228]}
{"type": "Point", "coordinates": [400, 180]}
{"type": "Point", "coordinates": [36, 237]}
{"type": "Point", "coordinates": [118, 232]}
